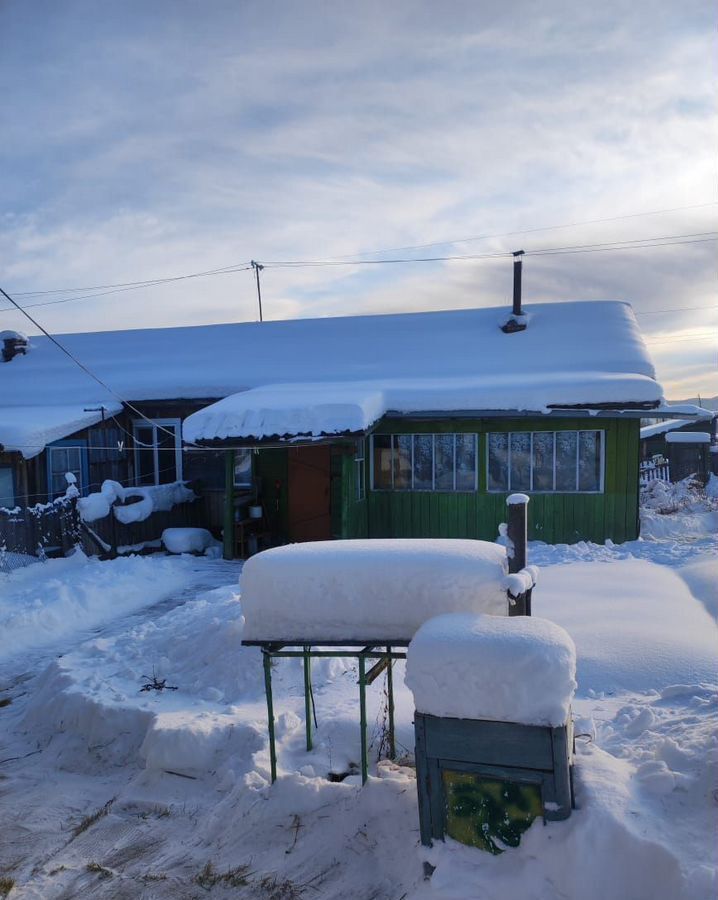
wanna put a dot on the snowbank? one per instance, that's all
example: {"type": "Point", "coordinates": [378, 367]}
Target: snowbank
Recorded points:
{"type": "Point", "coordinates": [636, 625]}
{"type": "Point", "coordinates": [368, 589]}
{"type": "Point", "coordinates": [41, 604]}
{"type": "Point", "coordinates": [518, 669]}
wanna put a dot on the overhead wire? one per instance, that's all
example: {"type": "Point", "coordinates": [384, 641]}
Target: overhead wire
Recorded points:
{"type": "Point", "coordinates": [84, 368]}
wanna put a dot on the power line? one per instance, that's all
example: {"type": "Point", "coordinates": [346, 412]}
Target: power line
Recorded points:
{"type": "Point", "coordinates": [485, 237]}
{"type": "Point", "coordinates": [635, 243]}
{"type": "Point", "coordinates": [655, 312]}
{"type": "Point", "coordinates": [84, 368]}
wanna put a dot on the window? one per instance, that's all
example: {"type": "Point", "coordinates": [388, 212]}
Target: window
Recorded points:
{"type": "Point", "coordinates": [359, 469]}
{"type": "Point", "coordinates": [243, 468]}
{"type": "Point", "coordinates": [158, 451]}
{"type": "Point", "coordinates": [424, 462]}
{"type": "Point", "coordinates": [62, 457]}
{"type": "Point", "coordinates": [546, 461]}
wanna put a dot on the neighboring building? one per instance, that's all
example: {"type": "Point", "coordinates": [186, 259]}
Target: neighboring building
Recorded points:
{"type": "Point", "coordinates": [686, 448]}
{"type": "Point", "coordinates": [416, 424]}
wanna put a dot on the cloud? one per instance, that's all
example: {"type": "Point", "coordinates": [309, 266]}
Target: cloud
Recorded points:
{"type": "Point", "coordinates": [147, 140]}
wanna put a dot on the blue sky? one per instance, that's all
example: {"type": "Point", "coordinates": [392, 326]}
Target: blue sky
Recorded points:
{"type": "Point", "coordinates": [143, 140]}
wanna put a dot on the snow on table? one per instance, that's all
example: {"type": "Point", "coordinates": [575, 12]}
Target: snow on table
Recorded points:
{"type": "Point", "coordinates": [368, 590]}
{"type": "Point", "coordinates": [467, 666]}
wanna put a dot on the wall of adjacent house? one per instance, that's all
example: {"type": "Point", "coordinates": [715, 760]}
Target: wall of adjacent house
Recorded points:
{"type": "Point", "coordinates": [553, 517]}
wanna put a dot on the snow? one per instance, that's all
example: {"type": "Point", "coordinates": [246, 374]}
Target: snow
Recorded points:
{"type": "Point", "coordinates": [688, 437]}
{"type": "Point", "coordinates": [669, 425]}
{"type": "Point", "coordinates": [28, 428]}
{"type": "Point", "coordinates": [520, 582]}
{"type": "Point", "coordinates": [517, 499]}
{"type": "Point", "coordinates": [160, 497]}
{"type": "Point", "coordinates": [466, 666]}
{"type": "Point", "coordinates": [179, 780]}
{"type": "Point", "coordinates": [363, 365]}
{"type": "Point", "coordinates": [642, 630]}
{"type": "Point", "coordinates": [364, 590]}
{"type": "Point", "coordinates": [187, 540]}
{"type": "Point", "coordinates": [44, 602]}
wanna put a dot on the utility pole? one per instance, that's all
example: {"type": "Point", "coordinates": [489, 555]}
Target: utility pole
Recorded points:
{"type": "Point", "coordinates": [257, 269]}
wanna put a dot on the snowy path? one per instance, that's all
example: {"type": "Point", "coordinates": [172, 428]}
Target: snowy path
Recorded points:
{"type": "Point", "coordinates": [117, 794]}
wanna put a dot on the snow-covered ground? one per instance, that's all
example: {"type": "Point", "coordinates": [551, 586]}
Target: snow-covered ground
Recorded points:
{"type": "Point", "coordinates": [110, 791]}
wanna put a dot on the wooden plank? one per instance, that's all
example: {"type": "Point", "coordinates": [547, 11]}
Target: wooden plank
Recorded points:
{"type": "Point", "coordinates": [491, 743]}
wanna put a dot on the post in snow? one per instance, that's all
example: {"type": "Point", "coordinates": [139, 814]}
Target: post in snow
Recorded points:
{"type": "Point", "coordinates": [517, 533]}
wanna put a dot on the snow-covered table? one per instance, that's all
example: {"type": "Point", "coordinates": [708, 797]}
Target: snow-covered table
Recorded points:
{"type": "Point", "coordinates": [363, 599]}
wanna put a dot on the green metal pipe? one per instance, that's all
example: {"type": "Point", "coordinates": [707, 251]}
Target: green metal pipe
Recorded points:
{"type": "Point", "coordinates": [308, 696]}
{"type": "Point", "coordinates": [270, 715]}
{"type": "Point", "coordinates": [390, 704]}
{"type": "Point", "coordinates": [362, 720]}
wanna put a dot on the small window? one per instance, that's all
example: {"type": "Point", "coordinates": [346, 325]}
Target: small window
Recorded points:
{"type": "Point", "coordinates": [546, 461]}
{"type": "Point", "coordinates": [424, 462]}
{"type": "Point", "coordinates": [62, 459]}
{"type": "Point", "coordinates": [360, 469]}
{"type": "Point", "coordinates": [158, 451]}
{"type": "Point", "coordinates": [243, 468]}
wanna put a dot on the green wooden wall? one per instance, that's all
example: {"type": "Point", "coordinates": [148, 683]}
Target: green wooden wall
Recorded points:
{"type": "Point", "coordinates": [554, 518]}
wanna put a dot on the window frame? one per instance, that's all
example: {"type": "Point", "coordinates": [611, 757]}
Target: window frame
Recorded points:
{"type": "Point", "coordinates": [68, 444]}
{"type": "Point", "coordinates": [531, 490]}
{"type": "Point", "coordinates": [433, 489]}
{"type": "Point", "coordinates": [138, 448]}
{"type": "Point", "coordinates": [360, 471]}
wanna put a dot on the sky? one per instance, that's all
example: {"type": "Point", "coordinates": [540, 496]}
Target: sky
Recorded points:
{"type": "Point", "coordinates": [143, 141]}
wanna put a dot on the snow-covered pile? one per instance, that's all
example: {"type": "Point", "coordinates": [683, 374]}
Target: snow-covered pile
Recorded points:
{"type": "Point", "coordinates": [688, 437]}
{"type": "Point", "coordinates": [145, 501]}
{"type": "Point", "coordinates": [466, 666]}
{"type": "Point", "coordinates": [41, 604]}
{"type": "Point", "coordinates": [366, 590]}
{"type": "Point", "coordinates": [188, 540]}
{"type": "Point", "coordinates": [636, 625]}
{"type": "Point", "coordinates": [681, 510]}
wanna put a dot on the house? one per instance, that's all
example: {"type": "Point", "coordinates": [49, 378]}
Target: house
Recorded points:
{"type": "Point", "coordinates": [685, 447]}
{"type": "Point", "coordinates": [415, 424]}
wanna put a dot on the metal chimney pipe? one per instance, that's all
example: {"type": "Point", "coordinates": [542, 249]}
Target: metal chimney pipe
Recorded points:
{"type": "Point", "coordinates": [517, 311]}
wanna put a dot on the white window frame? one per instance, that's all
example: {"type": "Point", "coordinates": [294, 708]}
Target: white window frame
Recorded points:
{"type": "Point", "coordinates": [143, 423]}
{"type": "Point", "coordinates": [433, 489]}
{"type": "Point", "coordinates": [530, 490]}
{"type": "Point", "coordinates": [360, 471]}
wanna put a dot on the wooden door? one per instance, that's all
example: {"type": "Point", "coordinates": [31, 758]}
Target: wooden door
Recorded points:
{"type": "Point", "coordinates": [309, 494]}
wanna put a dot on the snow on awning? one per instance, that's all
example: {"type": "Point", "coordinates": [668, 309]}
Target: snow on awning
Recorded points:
{"type": "Point", "coordinates": [28, 429]}
{"type": "Point", "coordinates": [315, 410]}
{"type": "Point", "coordinates": [688, 437]}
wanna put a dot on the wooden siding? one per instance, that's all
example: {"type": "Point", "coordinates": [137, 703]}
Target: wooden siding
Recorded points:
{"type": "Point", "coordinates": [553, 517]}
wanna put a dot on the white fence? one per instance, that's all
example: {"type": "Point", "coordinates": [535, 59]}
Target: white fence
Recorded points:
{"type": "Point", "coordinates": [653, 471]}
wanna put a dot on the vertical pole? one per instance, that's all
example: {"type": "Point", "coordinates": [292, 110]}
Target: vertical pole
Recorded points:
{"type": "Point", "coordinates": [270, 713]}
{"type": "Point", "coordinates": [362, 719]}
{"type": "Point", "coordinates": [257, 269]}
{"type": "Point", "coordinates": [517, 533]}
{"type": "Point", "coordinates": [308, 696]}
{"type": "Point", "coordinates": [390, 705]}
{"type": "Point", "coordinates": [228, 531]}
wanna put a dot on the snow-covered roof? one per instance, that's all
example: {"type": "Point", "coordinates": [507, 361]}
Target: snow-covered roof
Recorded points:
{"type": "Point", "coordinates": [28, 429]}
{"type": "Point", "coordinates": [672, 424]}
{"type": "Point", "coordinates": [573, 353]}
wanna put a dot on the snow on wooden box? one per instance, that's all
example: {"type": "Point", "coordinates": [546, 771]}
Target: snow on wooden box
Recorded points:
{"type": "Point", "coordinates": [368, 590]}
{"type": "Point", "coordinates": [469, 666]}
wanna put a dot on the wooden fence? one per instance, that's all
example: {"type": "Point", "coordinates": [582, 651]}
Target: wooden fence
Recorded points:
{"type": "Point", "coordinates": [651, 471]}
{"type": "Point", "coordinates": [53, 529]}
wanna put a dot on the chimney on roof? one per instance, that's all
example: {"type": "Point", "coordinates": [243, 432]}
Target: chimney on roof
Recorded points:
{"type": "Point", "coordinates": [517, 322]}
{"type": "Point", "coordinates": [13, 344]}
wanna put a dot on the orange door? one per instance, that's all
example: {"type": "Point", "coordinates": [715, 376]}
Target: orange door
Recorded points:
{"type": "Point", "coordinates": [309, 494]}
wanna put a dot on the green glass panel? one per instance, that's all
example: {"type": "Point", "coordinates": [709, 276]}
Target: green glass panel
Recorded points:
{"type": "Point", "coordinates": [488, 813]}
